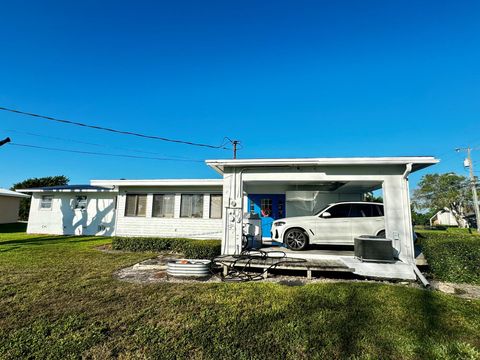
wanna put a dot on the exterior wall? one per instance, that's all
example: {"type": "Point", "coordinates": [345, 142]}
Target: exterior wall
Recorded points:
{"type": "Point", "coordinates": [9, 206]}
{"type": "Point", "coordinates": [196, 228]}
{"type": "Point", "coordinates": [303, 203]}
{"type": "Point", "coordinates": [444, 218]}
{"type": "Point", "coordinates": [62, 219]}
{"type": "Point", "coordinates": [300, 202]}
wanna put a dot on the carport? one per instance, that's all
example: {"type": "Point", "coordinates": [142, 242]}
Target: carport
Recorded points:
{"type": "Point", "coordinates": [302, 186]}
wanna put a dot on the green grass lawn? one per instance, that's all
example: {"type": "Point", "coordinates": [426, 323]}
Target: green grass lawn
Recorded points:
{"type": "Point", "coordinates": [58, 300]}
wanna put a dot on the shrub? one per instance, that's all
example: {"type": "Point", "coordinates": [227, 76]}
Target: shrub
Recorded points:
{"type": "Point", "coordinates": [198, 249]}
{"type": "Point", "coordinates": [453, 256]}
{"type": "Point", "coordinates": [194, 249]}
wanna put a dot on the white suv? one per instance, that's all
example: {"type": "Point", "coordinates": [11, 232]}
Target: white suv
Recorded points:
{"type": "Point", "coordinates": [336, 224]}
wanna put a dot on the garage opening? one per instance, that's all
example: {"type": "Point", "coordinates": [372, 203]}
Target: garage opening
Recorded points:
{"type": "Point", "coordinates": [305, 201]}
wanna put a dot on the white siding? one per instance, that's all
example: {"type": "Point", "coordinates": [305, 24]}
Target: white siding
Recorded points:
{"type": "Point", "coordinates": [62, 219]}
{"type": "Point", "coordinates": [204, 228]}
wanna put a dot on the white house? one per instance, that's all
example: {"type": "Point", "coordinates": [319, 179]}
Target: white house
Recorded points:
{"type": "Point", "coordinates": [206, 208]}
{"type": "Point", "coordinates": [9, 205]}
{"type": "Point", "coordinates": [446, 218]}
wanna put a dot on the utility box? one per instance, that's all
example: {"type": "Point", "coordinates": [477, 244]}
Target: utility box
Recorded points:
{"type": "Point", "coordinates": [252, 231]}
{"type": "Point", "coordinates": [373, 248]}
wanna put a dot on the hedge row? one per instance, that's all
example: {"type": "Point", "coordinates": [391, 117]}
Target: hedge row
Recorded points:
{"type": "Point", "coordinates": [452, 256]}
{"type": "Point", "coordinates": [192, 249]}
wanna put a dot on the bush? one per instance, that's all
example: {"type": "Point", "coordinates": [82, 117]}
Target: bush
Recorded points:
{"type": "Point", "coordinates": [453, 256]}
{"type": "Point", "coordinates": [193, 249]}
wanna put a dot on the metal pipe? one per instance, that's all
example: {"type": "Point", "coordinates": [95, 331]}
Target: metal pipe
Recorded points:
{"type": "Point", "coordinates": [420, 276]}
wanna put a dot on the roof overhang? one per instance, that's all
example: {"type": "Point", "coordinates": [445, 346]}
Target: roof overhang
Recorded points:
{"type": "Point", "coordinates": [10, 193]}
{"type": "Point", "coordinates": [70, 189]}
{"type": "Point", "coordinates": [418, 162]}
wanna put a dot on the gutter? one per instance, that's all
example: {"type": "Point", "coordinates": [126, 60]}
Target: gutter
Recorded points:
{"type": "Point", "coordinates": [408, 170]}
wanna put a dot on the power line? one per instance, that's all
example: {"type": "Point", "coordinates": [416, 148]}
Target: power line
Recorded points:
{"type": "Point", "coordinates": [90, 143]}
{"type": "Point", "coordinates": [221, 146]}
{"type": "Point", "coordinates": [103, 154]}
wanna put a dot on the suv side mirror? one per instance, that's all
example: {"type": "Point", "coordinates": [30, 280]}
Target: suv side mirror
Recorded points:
{"type": "Point", "coordinates": [326, 214]}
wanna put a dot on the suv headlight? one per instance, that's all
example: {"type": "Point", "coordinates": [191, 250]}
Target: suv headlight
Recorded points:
{"type": "Point", "coordinates": [279, 223]}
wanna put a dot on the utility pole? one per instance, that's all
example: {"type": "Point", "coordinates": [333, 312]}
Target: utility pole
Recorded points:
{"type": "Point", "coordinates": [473, 183]}
{"type": "Point", "coordinates": [235, 143]}
{"type": "Point", "coordinates": [4, 141]}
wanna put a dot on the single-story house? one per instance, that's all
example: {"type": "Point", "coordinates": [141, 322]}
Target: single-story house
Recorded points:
{"type": "Point", "coordinates": [214, 208]}
{"type": "Point", "coordinates": [9, 205]}
{"type": "Point", "coordinates": [446, 218]}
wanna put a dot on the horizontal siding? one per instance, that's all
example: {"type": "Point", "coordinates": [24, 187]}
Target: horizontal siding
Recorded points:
{"type": "Point", "coordinates": [204, 228]}
{"type": "Point", "coordinates": [169, 227]}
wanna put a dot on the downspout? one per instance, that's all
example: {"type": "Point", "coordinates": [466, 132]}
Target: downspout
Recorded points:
{"type": "Point", "coordinates": [416, 270]}
{"type": "Point", "coordinates": [420, 276]}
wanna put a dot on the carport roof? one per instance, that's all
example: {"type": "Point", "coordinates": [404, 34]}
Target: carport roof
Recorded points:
{"type": "Point", "coordinates": [418, 162]}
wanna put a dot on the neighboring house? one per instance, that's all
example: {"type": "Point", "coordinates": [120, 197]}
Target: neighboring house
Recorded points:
{"type": "Point", "coordinates": [9, 205]}
{"type": "Point", "coordinates": [206, 209]}
{"type": "Point", "coordinates": [446, 218]}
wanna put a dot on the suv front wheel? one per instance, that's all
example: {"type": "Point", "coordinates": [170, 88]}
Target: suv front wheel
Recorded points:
{"type": "Point", "coordinates": [296, 239]}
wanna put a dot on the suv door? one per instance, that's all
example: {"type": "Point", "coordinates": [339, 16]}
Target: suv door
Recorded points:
{"type": "Point", "coordinates": [366, 219]}
{"type": "Point", "coordinates": [335, 229]}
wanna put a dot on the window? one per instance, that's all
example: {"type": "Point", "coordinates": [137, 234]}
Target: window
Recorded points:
{"type": "Point", "coordinates": [46, 202]}
{"type": "Point", "coordinates": [266, 207]}
{"type": "Point", "coordinates": [136, 205]}
{"type": "Point", "coordinates": [378, 211]}
{"type": "Point", "coordinates": [163, 205]}
{"type": "Point", "coordinates": [192, 206]}
{"type": "Point", "coordinates": [339, 211]}
{"type": "Point", "coordinates": [80, 202]}
{"type": "Point", "coordinates": [216, 206]}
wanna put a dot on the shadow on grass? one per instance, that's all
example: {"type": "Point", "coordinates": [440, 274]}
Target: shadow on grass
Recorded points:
{"type": "Point", "coordinates": [50, 239]}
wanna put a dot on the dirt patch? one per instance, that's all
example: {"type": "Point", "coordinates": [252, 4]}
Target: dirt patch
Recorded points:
{"type": "Point", "coordinates": [465, 291]}
{"type": "Point", "coordinates": [107, 248]}
{"type": "Point", "coordinates": [154, 270]}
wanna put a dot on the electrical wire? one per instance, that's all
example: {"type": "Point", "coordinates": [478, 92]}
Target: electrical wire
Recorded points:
{"type": "Point", "coordinates": [131, 133]}
{"type": "Point", "coordinates": [102, 154]}
{"type": "Point", "coordinates": [239, 268]}
{"type": "Point", "coordinates": [92, 144]}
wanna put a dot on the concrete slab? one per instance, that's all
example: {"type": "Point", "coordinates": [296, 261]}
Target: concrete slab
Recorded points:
{"type": "Point", "coordinates": [392, 271]}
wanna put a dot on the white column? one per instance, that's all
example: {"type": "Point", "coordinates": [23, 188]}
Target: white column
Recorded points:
{"type": "Point", "coordinates": [398, 223]}
{"type": "Point", "coordinates": [232, 212]}
{"type": "Point", "coordinates": [149, 205]}
{"type": "Point", "coordinates": [206, 206]}
{"type": "Point", "coordinates": [176, 209]}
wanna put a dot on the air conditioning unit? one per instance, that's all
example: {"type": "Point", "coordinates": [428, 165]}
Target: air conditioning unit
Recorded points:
{"type": "Point", "coordinates": [373, 248]}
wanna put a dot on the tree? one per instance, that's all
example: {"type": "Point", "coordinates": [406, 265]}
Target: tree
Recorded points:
{"type": "Point", "coordinates": [439, 191]}
{"type": "Point", "coordinates": [422, 218]}
{"type": "Point", "coordinates": [36, 182]}
{"type": "Point", "coordinates": [370, 196]}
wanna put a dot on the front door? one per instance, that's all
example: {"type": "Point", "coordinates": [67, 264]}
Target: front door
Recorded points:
{"type": "Point", "coordinates": [270, 207]}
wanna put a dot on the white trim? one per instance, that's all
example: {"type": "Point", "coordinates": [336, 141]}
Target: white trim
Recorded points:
{"type": "Point", "coordinates": [159, 182]}
{"type": "Point", "coordinates": [10, 193]}
{"type": "Point", "coordinates": [67, 190]}
{"type": "Point", "coordinates": [219, 165]}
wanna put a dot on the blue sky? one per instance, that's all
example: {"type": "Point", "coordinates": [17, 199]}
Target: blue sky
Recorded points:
{"type": "Point", "coordinates": [287, 78]}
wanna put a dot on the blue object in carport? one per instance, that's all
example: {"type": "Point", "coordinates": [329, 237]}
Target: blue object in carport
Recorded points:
{"type": "Point", "coordinates": [270, 207]}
